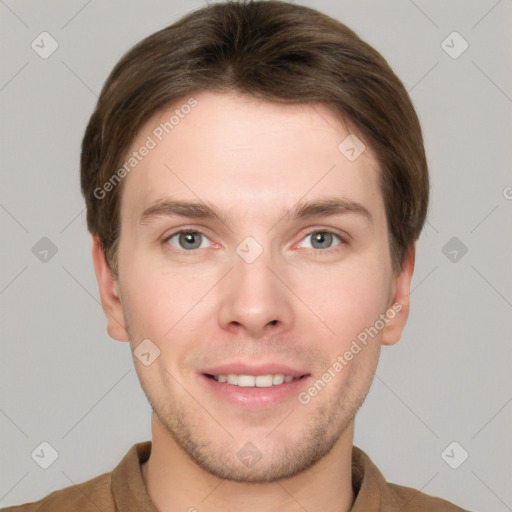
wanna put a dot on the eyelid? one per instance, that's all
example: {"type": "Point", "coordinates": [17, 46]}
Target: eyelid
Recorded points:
{"type": "Point", "coordinates": [182, 230]}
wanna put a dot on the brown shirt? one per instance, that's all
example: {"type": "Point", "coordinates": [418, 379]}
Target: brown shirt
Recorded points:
{"type": "Point", "coordinates": [123, 490]}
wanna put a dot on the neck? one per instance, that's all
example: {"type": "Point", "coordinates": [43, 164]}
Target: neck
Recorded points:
{"type": "Point", "coordinates": [175, 482]}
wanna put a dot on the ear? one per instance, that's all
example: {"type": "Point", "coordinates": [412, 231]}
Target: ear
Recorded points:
{"type": "Point", "coordinates": [116, 324]}
{"type": "Point", "coordinates": [398, 309]}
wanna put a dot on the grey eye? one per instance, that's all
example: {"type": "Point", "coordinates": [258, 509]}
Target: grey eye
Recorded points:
{"type": "Point", "coordinates": [322, 239]}
{"type": "Point", "coordinates": [188, 240]}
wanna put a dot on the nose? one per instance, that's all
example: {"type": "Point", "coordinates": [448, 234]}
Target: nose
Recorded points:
{"type": "Point", "coordinates": [254, 301]}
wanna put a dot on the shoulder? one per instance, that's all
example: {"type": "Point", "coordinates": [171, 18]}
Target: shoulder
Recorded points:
{"type": "Point", "coordinates": [412, 500]}
{"type": "Point", "coordinates": [124, 486]}
{"type": "Point", "coordinates": [374, 492]}
{"type": "Point", "coordinates": [89, 496]}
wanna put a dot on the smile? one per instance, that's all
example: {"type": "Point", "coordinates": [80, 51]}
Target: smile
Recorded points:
{"type": "Point", "coordinates": [251, 381]}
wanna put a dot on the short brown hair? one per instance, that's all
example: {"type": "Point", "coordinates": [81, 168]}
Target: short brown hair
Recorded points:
{"type": "Point", "coordinates": [274, 51]}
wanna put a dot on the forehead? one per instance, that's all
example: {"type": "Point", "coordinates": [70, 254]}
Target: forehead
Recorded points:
{"type": "Point", "coordinates": [241, 152]}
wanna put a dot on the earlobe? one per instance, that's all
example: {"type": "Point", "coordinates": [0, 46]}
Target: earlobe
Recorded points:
{"type": "Point", "coordinates": [116, 325]}
{"type": "Point", "coordinates": [398, 311]}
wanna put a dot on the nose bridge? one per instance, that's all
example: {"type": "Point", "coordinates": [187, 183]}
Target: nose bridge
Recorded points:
{"type": "Point", "coordinates": [253, 298]}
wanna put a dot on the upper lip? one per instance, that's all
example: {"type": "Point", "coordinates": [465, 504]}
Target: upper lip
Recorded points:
{"type": "Point", "coordinates": [253, 369]}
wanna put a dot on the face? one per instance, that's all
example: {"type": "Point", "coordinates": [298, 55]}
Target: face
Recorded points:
{"type": "Point", "coordinates": [254, 285]}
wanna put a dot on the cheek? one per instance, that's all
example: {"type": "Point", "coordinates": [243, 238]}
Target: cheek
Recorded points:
{"type": "Point", "coordinates": [158, 303]}
{"type": "Point", "coordinates": [349, 300]}
{"type": "Point", "coordinates": [160, 310]}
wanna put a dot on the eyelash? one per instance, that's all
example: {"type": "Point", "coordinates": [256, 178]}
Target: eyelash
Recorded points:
{"type": "Point", "coordinates": [196, 231]}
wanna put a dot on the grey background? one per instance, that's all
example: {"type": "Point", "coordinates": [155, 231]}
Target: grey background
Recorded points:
{"type": "Point", "coordinates": [64, 381]}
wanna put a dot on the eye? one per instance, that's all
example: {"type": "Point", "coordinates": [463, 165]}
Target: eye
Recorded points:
{"type": "Point", "coordinates": [187, 240]}
{"type": "Point", "coordinates": [322, 239]}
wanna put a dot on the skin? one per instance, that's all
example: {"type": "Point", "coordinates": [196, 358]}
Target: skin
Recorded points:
{"type": "Point", "coordinates": [299, 303]}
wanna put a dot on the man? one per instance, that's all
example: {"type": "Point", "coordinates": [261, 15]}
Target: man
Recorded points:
{"type": "Point", "coordinates": [255, 182]}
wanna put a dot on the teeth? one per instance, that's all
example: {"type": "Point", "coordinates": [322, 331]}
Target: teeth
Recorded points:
{"type": "Point", "coordinates": [263, 381]}
{"type": "Point", "coordinates": [246, 381]}
{"type": "Point", "coordinates": [251, 381]}
{"type": "Point", "coordinates": [277, 379]}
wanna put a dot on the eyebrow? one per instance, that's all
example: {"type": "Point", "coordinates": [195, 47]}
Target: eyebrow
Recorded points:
{"type": "Point", "coordinates": [329, 206]}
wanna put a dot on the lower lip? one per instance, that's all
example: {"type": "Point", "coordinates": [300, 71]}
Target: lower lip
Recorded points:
{"type": "Point", "coordinates": [254, 397]}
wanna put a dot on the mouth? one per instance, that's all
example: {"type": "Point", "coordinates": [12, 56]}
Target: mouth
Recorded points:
{"type": "Point", "coordinates": [254, 387]}
{"type": "Point", "coordinates": [255, 381]}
